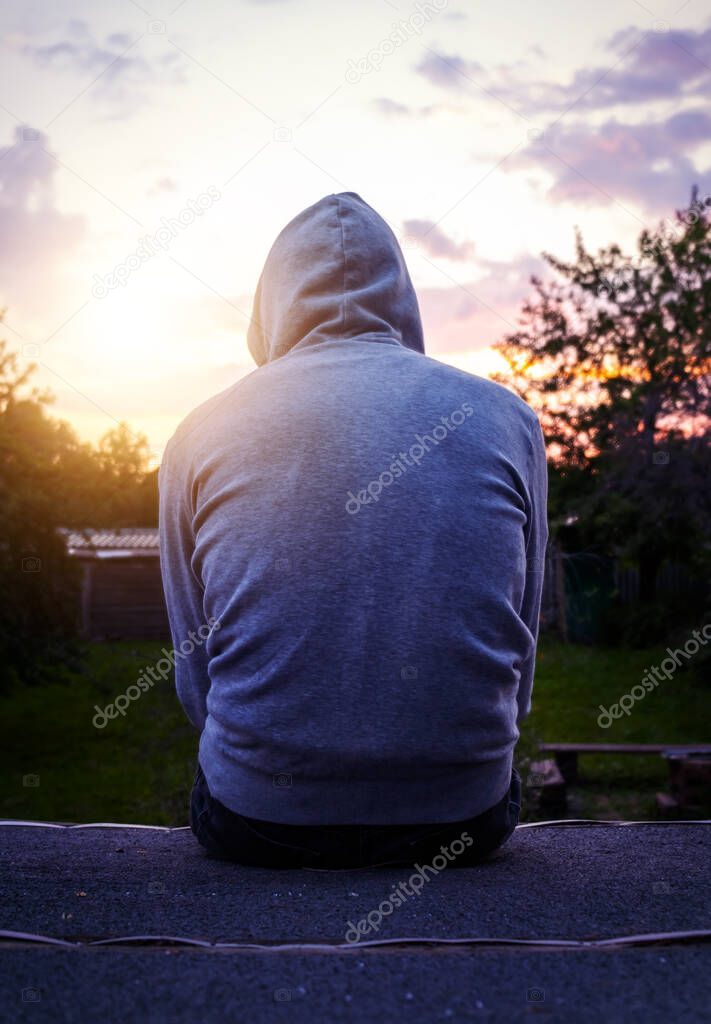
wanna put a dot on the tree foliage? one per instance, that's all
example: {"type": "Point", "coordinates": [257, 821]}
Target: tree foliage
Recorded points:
{"type": "Point", "coordinates": [614, 353]}
{"type": "Point", "coordinates": [49, 479]}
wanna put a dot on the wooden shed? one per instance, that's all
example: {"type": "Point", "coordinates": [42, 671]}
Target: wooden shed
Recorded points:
{"type": "Point", "coordinates": [122, 593]}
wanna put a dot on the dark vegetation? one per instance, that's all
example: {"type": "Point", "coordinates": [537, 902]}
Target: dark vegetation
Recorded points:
{"type": "Point", "coordinates": [50, 479]}
{"type": "Point", "coordinates": [614, 353]}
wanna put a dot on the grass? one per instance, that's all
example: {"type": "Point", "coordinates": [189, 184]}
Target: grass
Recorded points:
{"type": "Point", "coordinates": [136, 769]}
{"type": "Point", "coordinates": [572, 681]}
{"type": "Point", "coordinates": [139, 768]}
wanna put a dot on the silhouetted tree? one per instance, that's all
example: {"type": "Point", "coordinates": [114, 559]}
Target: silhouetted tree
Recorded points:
{"type": "Point", "coordinates": [50, 479]}
{"type": "Point", "coordinates": [38, 583]}
{"type": "Point", "coordinates": [614, 352]}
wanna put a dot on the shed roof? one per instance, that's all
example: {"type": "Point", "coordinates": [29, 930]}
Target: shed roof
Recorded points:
{"type": "Point", "coordinates": [131, 540]}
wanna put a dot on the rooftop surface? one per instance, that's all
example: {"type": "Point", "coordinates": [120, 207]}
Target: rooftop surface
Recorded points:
{"type": "Point", "coordinates": [541, 931]}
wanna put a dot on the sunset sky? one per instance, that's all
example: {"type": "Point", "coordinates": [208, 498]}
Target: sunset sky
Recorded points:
{"type": "Point", "coordinates": [483, 133]}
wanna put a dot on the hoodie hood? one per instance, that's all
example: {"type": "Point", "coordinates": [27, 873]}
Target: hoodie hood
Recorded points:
{"type": "Point", "coordinates": [335, 272]}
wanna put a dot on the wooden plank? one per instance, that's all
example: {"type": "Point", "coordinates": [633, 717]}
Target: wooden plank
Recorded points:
{"type": "Point", "coordinates": [624, 748]}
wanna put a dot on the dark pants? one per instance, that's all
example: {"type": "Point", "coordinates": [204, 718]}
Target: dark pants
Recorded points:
{"type": "Point", "coordinates": [230, 836]}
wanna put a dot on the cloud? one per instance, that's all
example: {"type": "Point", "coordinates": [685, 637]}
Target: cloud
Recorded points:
{"type": "Point", "coordinates": [652, 162]}
{"type": "Point", "coordinates": [432, 240]}
{"type": "Point", "coordinates": [35, 237]}
{"type": "Point", "coordinates": [645, 163]}
{"type": "Point", "coordinates": [163, 185]}
{"type": "Point", "coordinates": [393, 108]}
{"type": "Point", "coordinates": [662, 66]}
{"type": "Point", "coordinates": [448, 71]}
{"type": "Point", "coordinates": [116, 64]}
{"type": "Point", "coordinates": [645, 67]}
{"type": "Point", "coordinates": [478, 312]}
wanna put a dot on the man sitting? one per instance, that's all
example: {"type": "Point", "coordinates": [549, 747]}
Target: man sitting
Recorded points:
{"type": "Point", "coordinates": [365, 528]}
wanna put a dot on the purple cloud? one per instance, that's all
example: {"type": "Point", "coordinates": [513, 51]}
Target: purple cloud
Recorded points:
{"type": "Point", "coordinates": [478, 313]}
{"type": "Point", "coordinates": [393, 108]}
{"type": "Point", "coordinates": [116, 64]}
{"type": "Point", "coordinates": [35, 237]}
{"type": "Point", "coordinates": [433, 240]}
{"type": "Point", "coordinates": [449, 71]}
{"type": "Point", "coordinates": [662, 66]}
{"type": "Point", "coordinates": [646, 67]}
{"type": "Point", "coordinates": [645, 163]}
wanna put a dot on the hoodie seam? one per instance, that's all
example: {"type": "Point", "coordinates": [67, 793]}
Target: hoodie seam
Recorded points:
{"type": "Point", "coordinates": [343, 251]}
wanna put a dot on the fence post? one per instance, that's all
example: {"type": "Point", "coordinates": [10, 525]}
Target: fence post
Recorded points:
{"type": "Point", "coordinates": [560, 601]}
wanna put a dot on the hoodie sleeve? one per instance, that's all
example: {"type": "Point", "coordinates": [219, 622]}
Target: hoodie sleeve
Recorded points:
{"type": "Point", "coordinates": [183, 592]}
{"type": "Point", "coordinates": [536, 541]}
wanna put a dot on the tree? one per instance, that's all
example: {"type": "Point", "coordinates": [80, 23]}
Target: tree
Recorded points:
{"type": "Point", "coordinates": [38, 583]}
{"type": "Point", "coordinates": [50, 479]}
{"type": "Point", "coordinates": [123, 491]}
{"type": "Point", "coordinates": [614, 353]}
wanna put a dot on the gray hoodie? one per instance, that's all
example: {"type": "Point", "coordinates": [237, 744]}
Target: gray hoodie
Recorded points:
{"type": "Point", "coordinates": [363, 528]}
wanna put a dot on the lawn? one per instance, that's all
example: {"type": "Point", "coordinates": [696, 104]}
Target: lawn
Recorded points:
{"type": "Point", "coordinates": [58, 767]}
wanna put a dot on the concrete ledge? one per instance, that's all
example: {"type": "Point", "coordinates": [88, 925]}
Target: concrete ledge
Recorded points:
{"type": "Point", "coordinates": [568, 883]}
{"type": "Point", "coordinates": [187, 986]}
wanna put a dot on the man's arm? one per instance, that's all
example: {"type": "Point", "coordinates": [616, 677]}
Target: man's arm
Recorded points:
{"type": "Point", "coordinates": [183, 592]}
{"type": "Point", "coordinates": [537, 539]}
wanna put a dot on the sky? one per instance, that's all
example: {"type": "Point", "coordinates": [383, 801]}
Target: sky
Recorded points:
{"type": "Point", "coordinates": [151, 151]}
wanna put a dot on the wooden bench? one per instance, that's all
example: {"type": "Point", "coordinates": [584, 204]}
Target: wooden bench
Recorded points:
{"type": "Point", "coordinates": [566, 754]}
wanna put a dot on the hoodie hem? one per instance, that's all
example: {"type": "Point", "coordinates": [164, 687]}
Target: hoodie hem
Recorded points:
{"type": "Point", "coordinates": [450, 795]}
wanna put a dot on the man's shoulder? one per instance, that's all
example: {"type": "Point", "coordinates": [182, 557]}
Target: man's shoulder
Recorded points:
{"type": "Point", "coordinates": [205, 417]}
{"type": "Point", "coordinates": [482, 392]}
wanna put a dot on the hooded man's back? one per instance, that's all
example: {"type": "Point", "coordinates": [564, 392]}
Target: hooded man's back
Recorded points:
{"type": "Point", "coordinates": [366, 529]}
